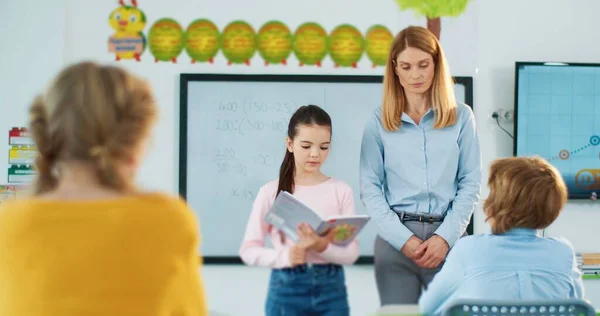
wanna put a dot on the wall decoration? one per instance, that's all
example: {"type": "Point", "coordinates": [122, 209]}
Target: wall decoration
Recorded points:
{"type": "Point", "coordinates": [202, 41]}
{"type": "Point", "coordinates": [274, 42]}
{"type": "Point", "coordinates": [12, 192]}
{"type": "Point", "coordinates": [19, 136]}
{"type": "Point", "coordinates": [166, 38]}
{"type": "Point", "coordinates": [238, 42]}
{"type": "Point", "coordinates": [21, 156]}
{"type": "Point", "coordinates": [21, 174]}
{"type": "Point", "coordinates": [433, 10]}
{"type": "Point", "coordinates": [128, 41]}
{"type": "Point", "coordinates": [346, 46]}
{"type": "Point", "coordinates": [378, 41]}
{"type": "Point", "coordinates": [7, 193]}
{"type": "Point", "coordinates": [310, 44]}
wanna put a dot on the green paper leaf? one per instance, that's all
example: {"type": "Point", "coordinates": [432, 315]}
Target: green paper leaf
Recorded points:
{"type": "Point", "coordinates": [434, 8]}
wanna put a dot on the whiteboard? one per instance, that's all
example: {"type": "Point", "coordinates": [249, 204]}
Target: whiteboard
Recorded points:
{"type": "Point", "coordinates": [232, 132]}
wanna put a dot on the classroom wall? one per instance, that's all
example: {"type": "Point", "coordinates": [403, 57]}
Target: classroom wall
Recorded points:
{"type": "Point", "coordinates": [534, 30]}
{"type": "Point", "coordinates": [54, 34]}
{"type": "Point", "coordinates": [32, 51]}
{"type": "Point", "coordinates": [88, 31]}
{"type": "Point", "coordinates": [510, 31]}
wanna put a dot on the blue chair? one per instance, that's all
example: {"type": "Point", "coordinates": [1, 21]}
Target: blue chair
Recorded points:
{"type": "Point", "coordinates": [472, 307]}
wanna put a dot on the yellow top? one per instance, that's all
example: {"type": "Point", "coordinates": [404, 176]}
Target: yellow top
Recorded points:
{"type": "Point", "coordinates": [133, 255]}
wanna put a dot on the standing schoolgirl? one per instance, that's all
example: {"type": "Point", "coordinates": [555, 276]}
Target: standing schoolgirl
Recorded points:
{"type": "Point", "coordinates": [307, 277]}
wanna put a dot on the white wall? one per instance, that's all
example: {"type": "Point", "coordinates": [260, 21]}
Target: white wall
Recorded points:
{"type": "Point", "coordinates": [33, 51]}
{"type": "Point", "coordinates": [534, 30]}
{"type": "Point", "coordinates": [34, 48]}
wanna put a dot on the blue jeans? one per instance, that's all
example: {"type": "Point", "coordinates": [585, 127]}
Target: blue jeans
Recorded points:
{"type": "Point", "coordinates": [308, 290]}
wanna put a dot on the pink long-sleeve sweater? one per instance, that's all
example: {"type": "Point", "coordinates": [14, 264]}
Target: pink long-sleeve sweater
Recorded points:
{"type": "Point", "coordinates": [332, 197]}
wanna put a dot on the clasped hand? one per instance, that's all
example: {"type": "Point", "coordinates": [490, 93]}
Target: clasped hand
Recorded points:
{"type": "Point", "coordinates": [426, 254]}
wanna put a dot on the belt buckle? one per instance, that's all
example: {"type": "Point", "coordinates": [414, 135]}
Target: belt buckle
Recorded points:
{"type": "Point", "coordinates": [426, 221]}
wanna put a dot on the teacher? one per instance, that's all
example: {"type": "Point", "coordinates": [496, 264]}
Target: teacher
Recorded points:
{"type": "Point", "coordinates": [420, 167]}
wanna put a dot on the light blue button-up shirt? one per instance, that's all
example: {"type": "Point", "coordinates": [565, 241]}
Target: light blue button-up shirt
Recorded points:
{"type": "Point", "coordinates": [423, 170]}
{"type": "Point", "coordinates": [517, 265]}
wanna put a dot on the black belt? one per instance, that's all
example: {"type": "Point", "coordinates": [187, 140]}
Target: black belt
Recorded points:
{"type": "Point", "coordinates": [315, 266]}
{"type": "Point", "coordinates": [423, 218]}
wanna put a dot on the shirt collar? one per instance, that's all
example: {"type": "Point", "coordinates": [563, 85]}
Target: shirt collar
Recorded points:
{"type": "Point", "coordinates": [522, 231]}
{"type": "Point", "coordinates": [407, 118]}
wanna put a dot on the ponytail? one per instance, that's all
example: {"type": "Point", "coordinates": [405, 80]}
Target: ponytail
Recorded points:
{"type": "Point", "coordinates": [286, 173]}
{"type": "Point", "coordinates": [46, 158]}
{"type": "Point", "coordinates": [106, 169]}
{"type": "Point", "coordinates": [134, 110]}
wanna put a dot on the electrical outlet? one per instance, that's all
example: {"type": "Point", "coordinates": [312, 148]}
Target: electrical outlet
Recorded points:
{"type": "Point", "coordinates": [503, 115]}
{"type": "Point", "coordinates": [509, 115]}
{"type": "Point", "coordinates": [498, 114]}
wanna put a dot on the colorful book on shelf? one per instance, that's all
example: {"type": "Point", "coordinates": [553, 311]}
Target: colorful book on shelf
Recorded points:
{"type": "Point", "coordinates": [12, 192]}
{"type": "Point", "coordinates": [591, 258]}
{"type": "Point", "coordinates": [20, 136]}
{"type": "Point", "coordinates": [288, 212]}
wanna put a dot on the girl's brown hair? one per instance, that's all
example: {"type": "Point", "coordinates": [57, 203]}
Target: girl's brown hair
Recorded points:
{"type": "Point", "coordinates": [441, 91]}
{"type": "Point", "coordinates": [304, 115]}
{"type": "Point", "coordinates": [91, 113]}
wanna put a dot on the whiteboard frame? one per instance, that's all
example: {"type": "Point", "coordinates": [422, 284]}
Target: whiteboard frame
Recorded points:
{"type": "Point", "coordinates": [186, 78]}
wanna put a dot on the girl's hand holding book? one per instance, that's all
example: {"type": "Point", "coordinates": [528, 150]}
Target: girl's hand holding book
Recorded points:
{"type": "Point", "coordinates": [311, 241]}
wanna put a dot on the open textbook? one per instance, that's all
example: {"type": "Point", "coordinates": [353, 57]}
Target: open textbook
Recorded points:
{"type": "Point", "coordinates": [288, 212]}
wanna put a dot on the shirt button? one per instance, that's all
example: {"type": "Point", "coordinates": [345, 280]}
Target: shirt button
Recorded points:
{"type": "Point", "coordinates": [422, 148]}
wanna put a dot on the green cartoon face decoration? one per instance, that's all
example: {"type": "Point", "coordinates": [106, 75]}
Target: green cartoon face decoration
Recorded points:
{"type": "Point", "coordinates": [310, 44]}
{"type": "Point", "coordinates": [378, 41]}
{"type": "Point", "coordinates": [166, 40]}
{"type": "Point", "coordinates": [274, 42]}
{"type": "Point", "coordinates": [238, 42]}
{"type": "Point", "coordinates": [202, 41]}
{"type": "Point", "coordinates": [346, 46]}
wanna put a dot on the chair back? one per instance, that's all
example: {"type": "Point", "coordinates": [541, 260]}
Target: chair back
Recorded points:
{"type": "Point", "coordinates": [471, 307]}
